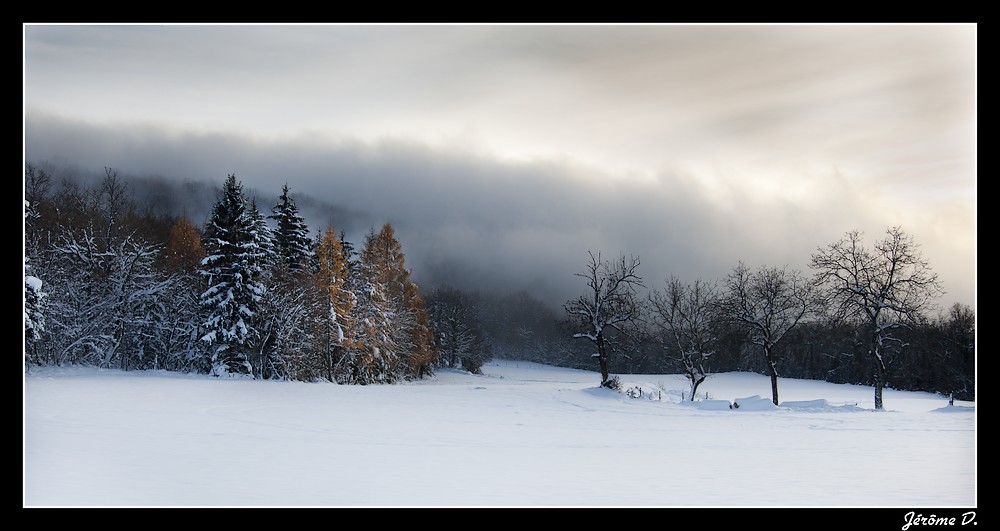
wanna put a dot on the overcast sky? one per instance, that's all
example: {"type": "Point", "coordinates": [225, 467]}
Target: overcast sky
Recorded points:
{"type": "Point", "coordinates": [503, 153]}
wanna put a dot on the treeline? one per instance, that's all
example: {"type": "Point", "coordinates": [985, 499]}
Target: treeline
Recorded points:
{"type": "Point", "coordinates": [862, 317]}
{"type": "Point", "coordinates": [134, 284]}
{"type": "Point", "coordinates": [937, 356]}
{"type": "Point", "coordinates": [112, 283]}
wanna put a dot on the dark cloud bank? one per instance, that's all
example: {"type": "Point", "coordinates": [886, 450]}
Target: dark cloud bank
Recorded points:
{"type": "Point", "coordinates": [465, 220]}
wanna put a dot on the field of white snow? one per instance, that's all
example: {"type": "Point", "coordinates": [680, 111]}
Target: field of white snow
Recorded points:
{"type": "Point", "coordinates": [520, 435]}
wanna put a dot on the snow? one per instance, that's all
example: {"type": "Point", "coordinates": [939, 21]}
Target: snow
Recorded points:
{"type": "Point", "coordinates": [819, 405]}
{"type": "Point", "coordinates": [33, 283]}
{"type": "Point", "coordinates": [519, 435]}
{"type": "Point", "coordinates": [754, 403]}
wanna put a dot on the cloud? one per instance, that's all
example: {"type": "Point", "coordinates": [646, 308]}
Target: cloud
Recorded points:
{"type": "Point", "coordinates": [507, 152]}
{"type": "Point", "coordinates": [477, 222]}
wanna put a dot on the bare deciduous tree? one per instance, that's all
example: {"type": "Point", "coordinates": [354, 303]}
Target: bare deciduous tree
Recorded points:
{"type": "Point", "coordinates": [455, 318]}
{"type": "Point", "coordinates": [887, 286]}
{"type": "Point", "coordinates": [685, 319]}
{"type": "Point", "coordinates": [610, 304]}
{"type": "Point", "coordinates": [768, 302]}
{"type": "Point", "coordinates": [114, 202]}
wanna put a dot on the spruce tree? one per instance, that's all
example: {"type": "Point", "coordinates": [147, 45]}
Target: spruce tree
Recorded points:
{"type": "Point", "coordinates": [292, 236]}
{"type": "Point", "coordinates": [34, 317]}
{"type": "Point", "coordinates": [263, 250]}
{"type": "Point", "coordinates": [233, 268]}
{"type": "Point", "coordinates": [268, 323]}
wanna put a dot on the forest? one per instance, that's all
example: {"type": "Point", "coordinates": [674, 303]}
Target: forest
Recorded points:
{"type": "Point", "coordinates": [118, 276]}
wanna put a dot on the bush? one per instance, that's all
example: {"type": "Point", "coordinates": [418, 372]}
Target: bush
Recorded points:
{"type": "Point", "coordinates": [614, 383]}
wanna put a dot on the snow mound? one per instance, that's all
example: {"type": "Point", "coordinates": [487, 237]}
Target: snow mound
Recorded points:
{"type": "Point", "coordinates": [753, 403]}
{"type": "Point", "coordinates": [602, 392]}
{"type": "Point", "coordinates": [819, 405]}
{"type": "Point", "coordinates": [954, 409]}
{"type": "Point", "coordinates": [711, 405]}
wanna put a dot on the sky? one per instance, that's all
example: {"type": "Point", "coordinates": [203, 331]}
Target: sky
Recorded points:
{"type": "Point", "coordinates": [502, 154]}
{"type": "Point", "coordinates": [519, 435]}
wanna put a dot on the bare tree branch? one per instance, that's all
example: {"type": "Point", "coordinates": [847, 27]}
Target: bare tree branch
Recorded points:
{"type": "Point", "coordinates": [610, 303]}
{"type": "Point", "coordinates": [887, 286]}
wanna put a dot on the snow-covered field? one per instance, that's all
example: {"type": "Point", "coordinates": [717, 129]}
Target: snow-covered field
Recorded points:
{"type": "Point", "coordinates": [520, 435]}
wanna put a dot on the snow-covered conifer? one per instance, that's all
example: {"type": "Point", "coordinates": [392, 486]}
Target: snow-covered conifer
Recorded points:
{"type": "Point", "coordinates": [236, 247]}
{"type": "Point", "coordinates": [291, 237]}
{"type": "Point", "coordinates": [34, 317]}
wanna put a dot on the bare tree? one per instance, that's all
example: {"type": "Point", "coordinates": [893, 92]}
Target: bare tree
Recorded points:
{"type": "Point", "coordinates": [886, 286]}
{"type": "Point", "coordinates": [685, 319]}
{"type": "Point", "coordinates": [960, 339]}
{"type": "Point", "coordinates": [37, 196]}
{"type": "Point", "coordinates": [610, 304]}
{"type": "Point", "coordinates": [37, 184]}
{"type": "Point", "coordinates": [461, 341]}
{"type": "Point", "coordinates": [114, 202]}
{"type": "Point", "coordinates": [768, 302]}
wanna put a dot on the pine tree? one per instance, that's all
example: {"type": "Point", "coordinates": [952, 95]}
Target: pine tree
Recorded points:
{"type": "Point", "coordinates": [268, 321]}
{"type": "Point", "coordinates": [263, 251]}
{"type": "Point", "coordinates": [350, 255]}
{"type": "Point", "coordinates": [292, 235]}
{"type": "Point", "coordinates": [233, 268]}
{"type": "Point", "coordinates": [34, 317]}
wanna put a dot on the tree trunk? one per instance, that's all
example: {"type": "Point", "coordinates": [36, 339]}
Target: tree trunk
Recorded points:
{"type": "Point", "coordinates": [773, 373]}
{"type": "Point", "coordinates": [602, 359]}
{"type": "Point", "coordinates": [876, 354]}
{"type": "Point", "coordinates": [329, 365]}
{"type": "Point", "coordinates": [695, 382]}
